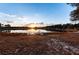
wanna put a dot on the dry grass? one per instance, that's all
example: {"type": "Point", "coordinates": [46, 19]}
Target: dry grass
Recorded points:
{"type": "Point", "coordinates": [16, 43]}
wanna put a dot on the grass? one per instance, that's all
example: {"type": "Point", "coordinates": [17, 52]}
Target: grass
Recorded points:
{"type": "Point", "coordinates": [21, 43]}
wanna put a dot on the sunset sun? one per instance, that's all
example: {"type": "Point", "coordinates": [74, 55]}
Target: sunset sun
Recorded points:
{"type": "Point", "coordinates": [32, 25]}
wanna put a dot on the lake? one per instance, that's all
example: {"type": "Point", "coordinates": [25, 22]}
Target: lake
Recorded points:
{"type": "Point", "coordinates": [29, 31]}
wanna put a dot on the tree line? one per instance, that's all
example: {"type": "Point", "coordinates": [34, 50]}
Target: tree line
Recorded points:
{"type": "Point", "coordinates": [63, 27]}
{"type": "Point", "coordinates": [2, 25]}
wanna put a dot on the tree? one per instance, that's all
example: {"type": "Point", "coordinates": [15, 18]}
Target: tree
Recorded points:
{"type": "Point", "coordinates": [8, 25]}
{"type": "Point", "coordinates": [74, 4]}
{"type": "Point", "coordinates": [75, 13]}
{"type": "Point", "coordinates": [0, 25]}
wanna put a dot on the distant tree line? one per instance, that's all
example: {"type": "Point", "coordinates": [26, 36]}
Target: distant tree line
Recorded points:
{"type": "Point", "coordinates": [63, 27]}
{"type": "Point", "coordinates": [56, 27]}
{"type": "Point", "coordinates": [2, 25]}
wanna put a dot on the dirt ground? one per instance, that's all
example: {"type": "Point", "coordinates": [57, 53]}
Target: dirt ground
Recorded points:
{"type": "Point", "coordinates": [65, 43]}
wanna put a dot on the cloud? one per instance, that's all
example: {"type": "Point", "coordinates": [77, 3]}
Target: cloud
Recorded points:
{"type": "Point", "coordinates": [16, 20]}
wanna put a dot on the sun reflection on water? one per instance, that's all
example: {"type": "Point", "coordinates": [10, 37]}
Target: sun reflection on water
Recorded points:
{"type": "Point", "coordinates": [32, 31]}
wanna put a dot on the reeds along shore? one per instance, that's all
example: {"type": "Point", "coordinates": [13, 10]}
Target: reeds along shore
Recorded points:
{"type": "Point", "coordinates": [51, 43]}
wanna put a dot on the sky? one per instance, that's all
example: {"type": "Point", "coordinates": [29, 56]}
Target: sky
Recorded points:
{"type": "Point", "coordinates": [18, 14]}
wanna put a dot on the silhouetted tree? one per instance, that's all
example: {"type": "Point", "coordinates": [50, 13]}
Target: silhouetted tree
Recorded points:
{"type": "Point", "coordinates": [8, 25]}
{"type": "Point", "coordinates": [75, 13]}
{"type": "Point", "coordinates": [74, 4]}
{"type": "Point", "coordinates": [0, 25]}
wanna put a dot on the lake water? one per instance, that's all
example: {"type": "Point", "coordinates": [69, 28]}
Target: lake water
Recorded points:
{"type": "Point", "coordinates": [30, 31]}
